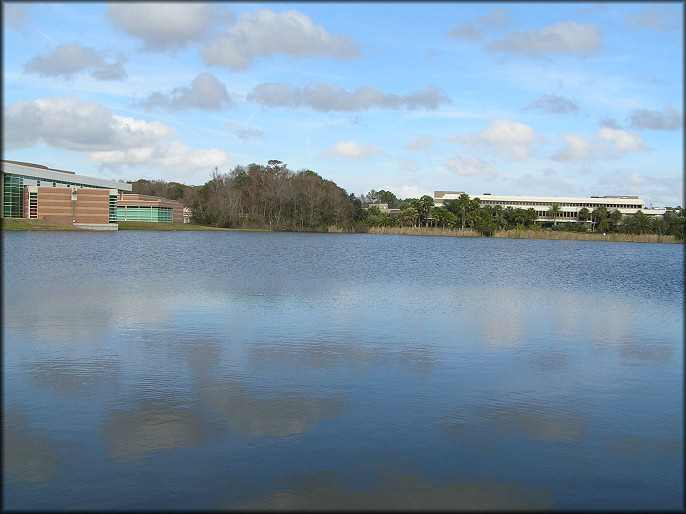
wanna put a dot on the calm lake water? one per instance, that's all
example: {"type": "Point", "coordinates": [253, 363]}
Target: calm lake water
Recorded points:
{"type": "Point", "coordinates": [233, 370]}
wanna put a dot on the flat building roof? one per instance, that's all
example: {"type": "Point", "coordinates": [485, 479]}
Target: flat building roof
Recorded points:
{"type": "Point", "coordinates": [43, 172]}
{"type": "Point", "coordinates": [450, 195]}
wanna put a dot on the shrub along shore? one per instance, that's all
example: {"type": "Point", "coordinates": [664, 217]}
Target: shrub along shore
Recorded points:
{"type": "Point", "coordinates": [528, 234]}
{"type": "Point", "coordinates": [45, 225]}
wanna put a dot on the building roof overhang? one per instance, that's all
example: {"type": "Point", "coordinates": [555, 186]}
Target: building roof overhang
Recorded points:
{"type": "Point", "coordinates": [43, 172]}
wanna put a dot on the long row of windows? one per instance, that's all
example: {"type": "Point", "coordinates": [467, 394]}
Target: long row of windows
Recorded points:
{"type": "Point", "coordinates": [145, 213]}
{"type": "Point", "coordinates": [563, 214]}
{"type": "Point", "coordinates": [564, 204]}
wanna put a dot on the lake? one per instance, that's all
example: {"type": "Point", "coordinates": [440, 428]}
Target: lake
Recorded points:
{"type": "Point", "coordinates": [250, 370]}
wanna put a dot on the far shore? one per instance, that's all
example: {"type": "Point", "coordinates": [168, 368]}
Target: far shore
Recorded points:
{"type": "Point", "coordinates": [528, 234]}
{"type": "Point", "coordinates": [46, 225]}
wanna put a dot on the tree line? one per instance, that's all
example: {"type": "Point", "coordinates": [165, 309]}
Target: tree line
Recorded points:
{"type": "Point", "coordinates": [274, 197]}
{"type": "Point", "coordinates": [465, 212]}
{"type": "Point", "coordinates": [263, 196]}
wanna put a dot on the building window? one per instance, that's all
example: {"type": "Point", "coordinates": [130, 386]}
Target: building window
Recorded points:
{"type": "Point", "coordinates": [145, 213]}
{"type": "Point", "coordinates": [112, 218]}
{"type": "Point", "coordinates": [33, 205]}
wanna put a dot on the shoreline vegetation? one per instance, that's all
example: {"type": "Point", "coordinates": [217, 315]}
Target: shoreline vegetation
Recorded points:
{"type": "Point", "coordinates": [46, 225]}
{"type": "Point", "coordinates": [528, 234]}
{"type": "Point", "coordinates": [273, 198]}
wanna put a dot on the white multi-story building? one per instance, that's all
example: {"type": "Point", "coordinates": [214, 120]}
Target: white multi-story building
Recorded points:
{"type": "Point", "coordinates": [569, 205]}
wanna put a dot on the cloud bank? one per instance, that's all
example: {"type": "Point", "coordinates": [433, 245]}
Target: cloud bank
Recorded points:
{"type": "Point", "coordinates": [68, 59]}
{"type": "Point", "coordinates": [554, 104]}
{"type": "Point", "coordinates": [89, 127]}
{"type": "Point", "coordinates": [206, 93]}
{"type": "Point", "coordinates": [474, 30]}
{"type": "Point", "coordinates": [568, 37]}
{"type": "Point", "coordinates": [578, 148]}
{"type": "Point", "coordinates": [670, 119]}
{"type": "Point", "coordinates": [326, 97]}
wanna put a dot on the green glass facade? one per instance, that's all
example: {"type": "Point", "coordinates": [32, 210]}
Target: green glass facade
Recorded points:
{"type": "Point", "coordinates": [145, 213]}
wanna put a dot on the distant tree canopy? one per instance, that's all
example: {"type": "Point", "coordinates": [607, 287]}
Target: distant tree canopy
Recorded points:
{"type": "Point", "coordinates": [171, 190]}
{"type": "Point", "coordinates": [272, 196]}
{"type": "Point", "coordinates": [382, 196]}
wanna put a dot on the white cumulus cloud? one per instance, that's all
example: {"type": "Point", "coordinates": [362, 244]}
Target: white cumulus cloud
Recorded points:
{"type": "Point", "coordinates": [266, 33]}
{"type": "Point", "coordinates": [91, 128]}
{"type": "Point", "coordinates": [471, 166]}
{"type": "Point", "coordinates": [577, 148]}
{"type": "Point", "coordinates": [73, 124]}
{"type": "Point", "coordinates": [509, 138]}
{"type": "Point", "coordinates": [351, 150]}
{"type": "Point", "coordinates": [165, 27]}
{"type": "Point", "coordinates": [621, 140]}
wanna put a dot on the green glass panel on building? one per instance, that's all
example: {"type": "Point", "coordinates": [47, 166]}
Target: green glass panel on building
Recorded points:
{"type": "Point", "coordinates": [145, 213]}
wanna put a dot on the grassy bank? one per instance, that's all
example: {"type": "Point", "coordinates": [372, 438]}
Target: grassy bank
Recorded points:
{"type": "Point", "coordinates": [527, 234]}
{"type": "Point", "coordinates": [146, 225]}
{"type": "Point", "coordinates": [586, 236]}
{"type": "Point", "coordinates": [27, 224]}
{"type": "Point", "coordinates": [424, 231]}
{"type": "Point", "coordinates": [41, 224]}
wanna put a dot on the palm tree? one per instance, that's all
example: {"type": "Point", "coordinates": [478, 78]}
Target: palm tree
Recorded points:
{"type": "Point", "coordinates": [616, 217]}
{"type": "Point", "coordinates": [440, 215]}
{"type": "Point", "coordinates": [427, 204]}
{"type": "Point", "coordinates": [473, 212]}
{"type": "Point", "coordinates": [463, 204]}
{"type": "Point", "coordinates": [584, 215]}
{"type": "Point", "coordinates": [598, 214]}
{"type": "Point", "coordinates": [419, 208]}
{"type": "Point", "coordinates": [407, 216]}
{"type": "Point", "coordinates": [554, 211]}
{"type": "Point", "coordinates": [641, 223]}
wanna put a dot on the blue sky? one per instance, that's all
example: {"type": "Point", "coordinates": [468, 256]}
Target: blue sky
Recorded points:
{"type": "Point", "coordinates": [559, 99]}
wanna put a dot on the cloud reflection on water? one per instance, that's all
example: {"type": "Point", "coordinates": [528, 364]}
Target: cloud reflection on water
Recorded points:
{"type": "Point", "coordinates": [396, 491]}
{"type": "Point", "coordinates": [537, 422]}
{"type": "Point", "coordinates": [71, 312]}
{"type": "Point", "coordinates": [27, 455]}
{"type": "Point", "coordinates": [256, 412]}
{"type": "Point", "coordinates": [151, 426]}
{"type": "Point", "coordinates": [76, 376]}
{"type": "Point", "coordinates": [641, 448]}
{"type": "Point", "coordinates": [492, 421]}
